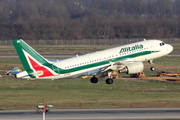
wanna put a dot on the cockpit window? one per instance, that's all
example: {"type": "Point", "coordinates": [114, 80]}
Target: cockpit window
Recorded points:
{"type": "Point", "coordinates": [161, 44]}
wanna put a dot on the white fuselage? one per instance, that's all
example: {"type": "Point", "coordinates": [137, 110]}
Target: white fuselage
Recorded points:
{"type": "Point", "coordinates": [91, 64]}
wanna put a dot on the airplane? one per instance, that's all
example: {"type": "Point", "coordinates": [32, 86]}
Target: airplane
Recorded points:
{"type": "Point", "coordinates": [123, 59]}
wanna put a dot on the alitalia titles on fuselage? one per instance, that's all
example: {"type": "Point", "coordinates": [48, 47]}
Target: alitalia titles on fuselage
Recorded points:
{"type": "Point", "coordinates": [132, 48]}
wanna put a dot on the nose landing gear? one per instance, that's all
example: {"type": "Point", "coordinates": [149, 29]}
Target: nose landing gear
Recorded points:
{"type": "Point", "coordinates": [151, 64]}
{"type": "Point", "coordinates": [152, 68]}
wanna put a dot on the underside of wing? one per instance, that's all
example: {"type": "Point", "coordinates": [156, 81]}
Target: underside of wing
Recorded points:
{"type": "Point", "coordinates": [129, 67]}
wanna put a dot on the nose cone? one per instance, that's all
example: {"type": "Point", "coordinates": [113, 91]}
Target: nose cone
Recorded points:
{"type": "Point", "coordinates": [170, 48]}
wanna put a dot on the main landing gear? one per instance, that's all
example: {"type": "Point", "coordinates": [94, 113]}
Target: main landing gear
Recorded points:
{"type": "Point", "coordinates": [95, 80]}
{"type": "Point", "coordinates": [151, 64]}
{"type": "Point", "coordinates": [109, 81]}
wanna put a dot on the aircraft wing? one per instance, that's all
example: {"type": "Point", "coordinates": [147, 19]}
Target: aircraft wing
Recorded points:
{"type": "Point", "coordinates": [128, 66]}
{"type": "Point", "coordinates": [114, 66]}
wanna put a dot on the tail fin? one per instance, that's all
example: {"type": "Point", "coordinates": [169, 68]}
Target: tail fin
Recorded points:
{"type": "Point", "coordinates": [33, 62]}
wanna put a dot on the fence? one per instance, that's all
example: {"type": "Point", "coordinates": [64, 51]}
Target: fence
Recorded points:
{"type": "Point", "coordinates": [86, 41]}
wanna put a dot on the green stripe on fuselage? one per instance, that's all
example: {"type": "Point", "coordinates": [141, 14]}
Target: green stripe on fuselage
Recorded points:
{"type": "Point", "coordinates": [65, 71]}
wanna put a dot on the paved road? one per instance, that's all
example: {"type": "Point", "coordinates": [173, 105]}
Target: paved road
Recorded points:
{"type": "Point", "coordinates": [65, 55]}
{"type": "Point", "coordinates": [93, 114]}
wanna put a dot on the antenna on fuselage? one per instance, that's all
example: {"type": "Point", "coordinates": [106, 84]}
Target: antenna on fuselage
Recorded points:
{"type": "Point", "coordinates": [144, 39]}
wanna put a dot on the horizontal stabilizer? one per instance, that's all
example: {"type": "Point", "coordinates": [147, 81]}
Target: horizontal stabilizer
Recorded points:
{"type": "Point", "coordinates": [38, 73]}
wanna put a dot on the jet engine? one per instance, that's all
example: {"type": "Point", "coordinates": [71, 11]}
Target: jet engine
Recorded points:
{"type": "Point", "coordinates": [132, 68]}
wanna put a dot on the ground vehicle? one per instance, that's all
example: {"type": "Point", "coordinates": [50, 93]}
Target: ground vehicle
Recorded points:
{"type": "Point", "coordinates": [114, 75]}
{"type": "Point", "coordinates": [40, 107]}
{"type": "Point", "coordinates": [13, 71]}
{"type": "Point", "coordinates": [138, 75]}
{"type": "Point", "coordinates": [170, 73]}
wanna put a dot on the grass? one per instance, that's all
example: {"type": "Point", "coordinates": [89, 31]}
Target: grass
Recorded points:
{"type": "Point", "coordinates": [8, 63]}
{"type": "Point", "coordinates": [80, 93]}
{"type": "Point", "coordinates": [60, 49]}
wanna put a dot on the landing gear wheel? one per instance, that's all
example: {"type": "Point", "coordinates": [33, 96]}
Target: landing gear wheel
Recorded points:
{"type": "Point", "coordinates": [109, 81]}
{"type": "Point", "coordinates": [152, 68]}
{"type": "Point", "coordinates": [94, 80]}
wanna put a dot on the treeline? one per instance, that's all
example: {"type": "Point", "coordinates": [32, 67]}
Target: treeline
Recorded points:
{"type": "Point", "coordinates": [89, 19]}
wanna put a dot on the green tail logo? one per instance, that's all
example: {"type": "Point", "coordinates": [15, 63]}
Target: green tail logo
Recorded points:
{"type": "Point", "coordinates": [33, 62]}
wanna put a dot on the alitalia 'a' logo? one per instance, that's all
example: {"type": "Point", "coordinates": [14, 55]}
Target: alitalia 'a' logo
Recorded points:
{"type": "Point", "coordinates": [132, 48]}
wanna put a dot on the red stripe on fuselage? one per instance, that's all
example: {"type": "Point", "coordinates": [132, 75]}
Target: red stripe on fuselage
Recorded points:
{"type": "Point", "coordinates": [37, 67]}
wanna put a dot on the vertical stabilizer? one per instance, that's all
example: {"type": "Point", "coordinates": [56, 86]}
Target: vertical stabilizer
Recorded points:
{"type": "Point", "coordinates": [33, 62]}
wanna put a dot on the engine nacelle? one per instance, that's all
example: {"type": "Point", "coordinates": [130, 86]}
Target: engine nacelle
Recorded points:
{"type": "Point", "coordinates": [132, 68]}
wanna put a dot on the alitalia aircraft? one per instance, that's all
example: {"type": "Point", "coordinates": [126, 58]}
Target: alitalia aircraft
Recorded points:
{"type": "Point", "coordinates": [127, 58]}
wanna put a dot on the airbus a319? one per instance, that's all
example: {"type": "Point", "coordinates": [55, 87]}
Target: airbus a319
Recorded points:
{"type": "Point", "coordinates": [124, 59]}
